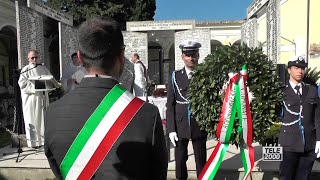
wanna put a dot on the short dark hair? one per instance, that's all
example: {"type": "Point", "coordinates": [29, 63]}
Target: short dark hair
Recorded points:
{"type": "Point", "coordinates": [100, 41]}
{"type": "Point", "coordinates": [136, 55]}
{"type": "Point", "coordinates": [73, 55]}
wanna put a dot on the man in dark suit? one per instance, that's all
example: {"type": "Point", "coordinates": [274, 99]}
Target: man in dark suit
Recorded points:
{"type": "Point", "coordinates": [139, 152]}
{"type": "Point", "coordinates": [300, 130]}
{"type": "Point", "coordinates": [181, 125]}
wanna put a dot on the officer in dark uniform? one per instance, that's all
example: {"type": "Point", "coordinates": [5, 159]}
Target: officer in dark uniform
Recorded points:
{"type": "Point", "coordinates": [181, 125]}
{"type": "Point", "coordinates": [300, 129]}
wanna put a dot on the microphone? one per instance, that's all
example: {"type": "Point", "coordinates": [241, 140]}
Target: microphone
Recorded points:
{"type": "Point", "coordinates": [35, 65]}
{"type": "Point", "coordinates": [38, 64]}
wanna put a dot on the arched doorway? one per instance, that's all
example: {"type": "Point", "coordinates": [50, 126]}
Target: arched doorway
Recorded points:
{"type": "Point", "coordinates": [155, 62]}
{"type": "Point", "coordinates": [51, 38]}
{"type": "Point", "coordinates": [54, 57]}
{"type": "Point", "coordinates": [4, 63]}
{"type": "Point", "coordinates": [237, 43]}
{"type": "Point", "coordinates": [8, 73]}
{"type": "Point", "coordinates": [170, 63]}
{"type": "Point", "coordinates": [8, 55]}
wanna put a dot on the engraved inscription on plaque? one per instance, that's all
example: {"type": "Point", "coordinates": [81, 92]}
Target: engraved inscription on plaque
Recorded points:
{"type": "Point", "coordinates": [160, 25]}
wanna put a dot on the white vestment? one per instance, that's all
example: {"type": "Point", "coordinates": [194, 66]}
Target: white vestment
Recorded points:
{"type": "Point", "coordinates": [32, 104]}
{"type": "Point", "coordinates": [140, 81]}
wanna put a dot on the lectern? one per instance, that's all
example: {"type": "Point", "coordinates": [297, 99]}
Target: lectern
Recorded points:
{"type": "Point", "coordinates": [44, 84]}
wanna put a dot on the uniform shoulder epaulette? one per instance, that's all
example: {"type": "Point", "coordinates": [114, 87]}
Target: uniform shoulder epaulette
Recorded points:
{"type": "Point", "coordinates": [178, 71]}
{"type": "Point", "coordinates": [283, 86]}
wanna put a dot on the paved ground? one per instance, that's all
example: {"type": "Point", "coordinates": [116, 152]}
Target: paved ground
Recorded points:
{"type": "Point", "coordinates": [34, 165]}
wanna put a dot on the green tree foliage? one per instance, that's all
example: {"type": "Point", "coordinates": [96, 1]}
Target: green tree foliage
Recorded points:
{"type": "Point", "coordinates": [207, 84]}
{"type": "Point", "coordinates": [120, 10]}
{"type": "Point", "coordinates": [311, 76]}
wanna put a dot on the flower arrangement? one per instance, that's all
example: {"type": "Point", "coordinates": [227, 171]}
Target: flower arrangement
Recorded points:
{"type": "Point", "coordinates": [207, 89]}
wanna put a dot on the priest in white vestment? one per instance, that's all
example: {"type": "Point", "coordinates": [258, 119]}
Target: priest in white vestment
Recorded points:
{"type": "Point", "coordinates": [32, 100]}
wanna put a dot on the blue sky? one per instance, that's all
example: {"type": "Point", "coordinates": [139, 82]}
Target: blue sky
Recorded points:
{"type": "Point", "coordinates": [201, 10]}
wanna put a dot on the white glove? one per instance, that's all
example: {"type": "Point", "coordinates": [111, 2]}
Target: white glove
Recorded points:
{"type": "Point", "coordinates": [173, 138]}
{"type": "Point", "coordinates": [317, 149]}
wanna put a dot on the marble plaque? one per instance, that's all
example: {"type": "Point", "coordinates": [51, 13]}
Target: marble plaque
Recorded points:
{"type": "Point", "coordinates": [160, 25]}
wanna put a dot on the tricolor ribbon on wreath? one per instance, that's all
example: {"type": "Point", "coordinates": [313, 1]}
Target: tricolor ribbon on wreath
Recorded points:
{"type": "Point", "coordinates": [235, 102]}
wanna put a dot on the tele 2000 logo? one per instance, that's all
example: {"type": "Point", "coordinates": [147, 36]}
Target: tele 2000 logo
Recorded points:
{"type": "Point", "coordinates": [272, 153]}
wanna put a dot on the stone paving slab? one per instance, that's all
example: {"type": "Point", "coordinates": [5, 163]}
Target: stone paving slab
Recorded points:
{"type": "Point", "coordinates": [34, 165]}
{"type": "Point", "coordinates": [29, 158]}
{"type": "Point", "coordinates": [231, 167]}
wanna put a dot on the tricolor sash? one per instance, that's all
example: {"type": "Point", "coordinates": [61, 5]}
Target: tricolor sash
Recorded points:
{"type": "Point", "coordinates": [235, 101]}
{"type": "Point", "coordinates": [99, 133]}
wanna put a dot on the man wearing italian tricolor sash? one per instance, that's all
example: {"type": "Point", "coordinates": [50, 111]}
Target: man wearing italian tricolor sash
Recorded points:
{"type": "Point", "coordinates": [100, 130]}
{"type": "Point", "coordinates": [235, 102]}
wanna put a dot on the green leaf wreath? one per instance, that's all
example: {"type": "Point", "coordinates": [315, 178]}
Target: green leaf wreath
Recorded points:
{"type": "Point", "coordinates": [206, 89]}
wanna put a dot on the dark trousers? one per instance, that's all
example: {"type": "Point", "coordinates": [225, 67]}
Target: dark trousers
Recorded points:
{"type": "Point", "coordinates": [181, 156]}
{"type": "Point", "coordinates": [296, 166]}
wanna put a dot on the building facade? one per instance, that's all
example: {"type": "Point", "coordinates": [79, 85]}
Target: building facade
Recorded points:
{"type": "Point", "coordinates": [23, 28]}
{"type": "Point", "coordinates": [162, 54]}
{"type": "Point", "coordinates": [156, 41]}
{"type": "Point", "coordinates": [285, 28]}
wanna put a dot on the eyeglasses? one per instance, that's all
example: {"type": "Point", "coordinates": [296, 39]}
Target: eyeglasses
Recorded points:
{"type": "Point", "coordinates": [34, 57]}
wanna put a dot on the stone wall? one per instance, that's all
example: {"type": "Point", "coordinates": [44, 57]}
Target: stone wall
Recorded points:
{"type": "Point", "coordinates": [29, 33]}
{"type": "Point", "coordinates": [273, 30]}
{"type": "Point", "coordinates": [249, 32]}
{"type": "Point", "coordinates": [68, 44]}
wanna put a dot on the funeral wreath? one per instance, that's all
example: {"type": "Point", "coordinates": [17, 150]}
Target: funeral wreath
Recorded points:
{"type": "Point", "coordinates": [208, 85]}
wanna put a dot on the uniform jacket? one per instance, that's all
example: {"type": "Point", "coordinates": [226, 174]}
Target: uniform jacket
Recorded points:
{"type": "Point", "coordinates": [177, 114]}
{"type": "Point", "coordinates": [140, 151]}
{"type": "Point", "coordinates": [291, 138]}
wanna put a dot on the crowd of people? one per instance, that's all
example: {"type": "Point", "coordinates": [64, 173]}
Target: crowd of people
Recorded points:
{"type": "Point", "coordinates": [101, 130]}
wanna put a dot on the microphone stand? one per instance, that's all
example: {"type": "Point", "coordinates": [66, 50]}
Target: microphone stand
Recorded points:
{"type": "Point", "coordinates": [30, 68]}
